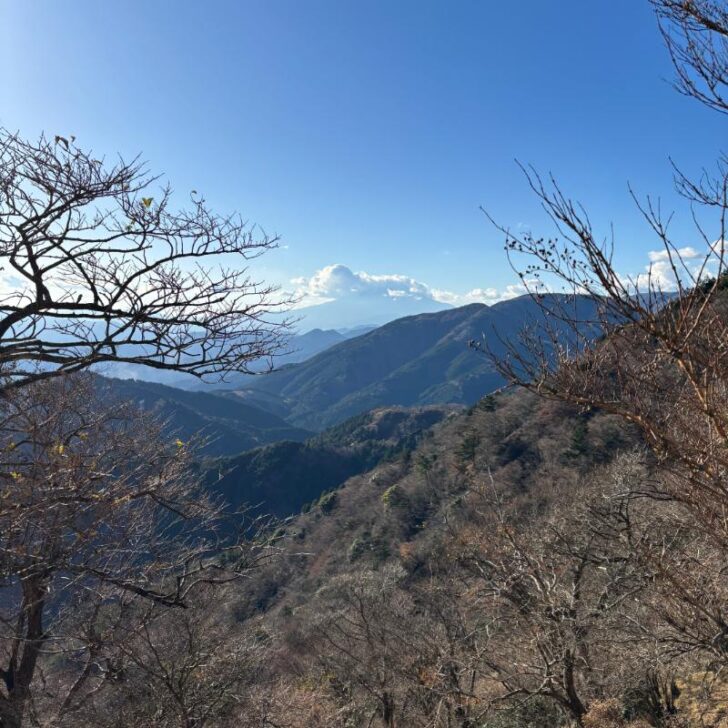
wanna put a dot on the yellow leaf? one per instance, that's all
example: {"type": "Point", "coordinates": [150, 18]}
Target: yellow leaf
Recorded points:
{"type": "Point", "coordinates": [179, 443]}
{"type": "Point", "coordinates": [147, 201]}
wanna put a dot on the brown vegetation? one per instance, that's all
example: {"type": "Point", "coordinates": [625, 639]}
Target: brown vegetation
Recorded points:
{"type": "Point", "coordinates": [555, 556]}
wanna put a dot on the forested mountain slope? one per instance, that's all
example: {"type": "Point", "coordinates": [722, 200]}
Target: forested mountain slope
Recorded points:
{"type": "Point", "coordinates": [412, 361]}
{"type": "Point", "coordinates": [381, 592]}
{"type": "Point", "coordinates": [282, 478]}
{"type": "Point", "coordinates": [532, 451]}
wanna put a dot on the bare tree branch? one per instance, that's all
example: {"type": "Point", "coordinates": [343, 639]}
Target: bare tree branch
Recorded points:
{"type": "Point", "coordinates": [99, 267]}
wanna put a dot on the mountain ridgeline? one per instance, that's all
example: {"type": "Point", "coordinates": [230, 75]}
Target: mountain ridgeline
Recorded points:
{"type": "Point", "coordinates": [301, 347]}
{"type": "Point", "coordinates": [413, 361]}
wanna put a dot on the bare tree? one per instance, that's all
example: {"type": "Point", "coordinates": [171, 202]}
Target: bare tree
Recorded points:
{"type": "Point", "coordinates": [401, 655]}
{"type": "Point", "coordinates": [661, 362]}
{"type": "Point", "coordinates": [100, 267]}
{"type": "Point", "coordinates": [183, 668]}
{"type": "Point", "coordinates": [696, 35]}
{"type": "Point", "coordinates": [101, 517]}
{"type": "Point", "coordinates": [359, 639]}
{"type": "Point", "coordinates": [555, 593]}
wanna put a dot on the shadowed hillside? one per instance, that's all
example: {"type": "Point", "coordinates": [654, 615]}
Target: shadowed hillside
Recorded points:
{"type": "Point", "coordinates": [229, 425]}
{"type": "Point", "coordinates": [282, 478]}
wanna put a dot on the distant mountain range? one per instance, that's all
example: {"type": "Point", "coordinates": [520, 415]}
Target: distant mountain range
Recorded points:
{"type": "Point", "coordinates": [366, 308]}
{"type": "Point", "coordinates": [300, 347]}
{"type": "Point", "coordinates": [413, 361]}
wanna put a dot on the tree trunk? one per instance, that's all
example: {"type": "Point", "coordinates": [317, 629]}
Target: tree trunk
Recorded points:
{"type": "Point", "coordinates": [388, 710]}
{"type": "Point", "coordinates": [574, 702]}
{"type": "Point", "coordinates": [19, 676]}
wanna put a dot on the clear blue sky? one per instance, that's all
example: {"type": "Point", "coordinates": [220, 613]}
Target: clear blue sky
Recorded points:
{"type": "Point", "coordinates": [368, 133]}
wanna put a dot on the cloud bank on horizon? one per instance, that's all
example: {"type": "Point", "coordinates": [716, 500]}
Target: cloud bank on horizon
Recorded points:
{"type": "Point", "coordinates": [356, 298]}
{"type": "Point", "coordinates": [336, 282]}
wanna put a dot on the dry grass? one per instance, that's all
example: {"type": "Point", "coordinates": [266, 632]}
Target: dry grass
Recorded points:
{"type": "Point", "coordinates": [703, 700]}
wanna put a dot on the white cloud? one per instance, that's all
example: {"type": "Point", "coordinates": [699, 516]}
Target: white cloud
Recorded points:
{"type": "Point", "coordinates": [337, 282]}
{"type": "Point", "coordinates": [477, 295]}
{"type": "Point", "coordinates": [687, 253]}
{"type": "Point", "coordinates": [659, 272]}
{"type": "Point", "coordinates": [488, 296]}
